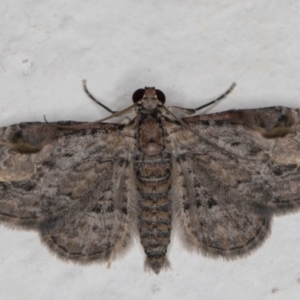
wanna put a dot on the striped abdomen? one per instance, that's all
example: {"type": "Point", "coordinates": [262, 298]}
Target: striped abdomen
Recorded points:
{"type": "Point", "coordinates": [153, 183]}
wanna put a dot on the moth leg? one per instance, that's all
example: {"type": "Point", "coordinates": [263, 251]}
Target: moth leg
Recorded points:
{"type": "Point", "coordinates": [190, 111]}
{"type": "Point", "coordinates": [185, 111]}
{"type": "Point", "coordinates": [94, 99]}
{"type": "Point", "coordinates": [126, 121]}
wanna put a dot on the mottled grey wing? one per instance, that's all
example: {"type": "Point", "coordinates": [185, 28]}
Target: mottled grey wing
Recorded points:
{"type": "Point", "coordinates": [232, 172]}
{"type": "Point", "coordinates": [72, 185]}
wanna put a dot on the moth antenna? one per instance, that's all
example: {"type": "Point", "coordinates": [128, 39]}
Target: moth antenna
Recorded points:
{"type": "Point", "coordinates": [82, 126]}
{"type": "Point", "coordinates": [113, 113]}
{"type": "Point", "coordinates": [94, 99]}
{"type": "Point", "coordinates": [224, 95]}
{"type": "Point", "coordinates": [191, 111]}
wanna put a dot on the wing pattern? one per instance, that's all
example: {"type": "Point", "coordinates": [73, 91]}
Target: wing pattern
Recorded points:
{"type": "Point", "coordinates": [72, 186]}
{"type": "Point", "coordinates": [233, 171]}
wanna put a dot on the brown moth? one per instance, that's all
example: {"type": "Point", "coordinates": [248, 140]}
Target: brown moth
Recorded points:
{"type": "Point", "coordinates": [89, 188]}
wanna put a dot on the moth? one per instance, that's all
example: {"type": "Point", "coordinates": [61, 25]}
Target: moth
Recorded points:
{"type": "Point", "coordinates": [90, 188]}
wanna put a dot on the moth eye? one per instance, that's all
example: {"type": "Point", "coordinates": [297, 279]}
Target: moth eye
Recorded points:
{"type": "Point", "coordinates": [138, 95]}
{"type": "Point", "coordinates": [161, 96]}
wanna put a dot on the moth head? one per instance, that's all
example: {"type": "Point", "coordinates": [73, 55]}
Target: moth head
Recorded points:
{"type": "Point", "coordinates": [149, 97]}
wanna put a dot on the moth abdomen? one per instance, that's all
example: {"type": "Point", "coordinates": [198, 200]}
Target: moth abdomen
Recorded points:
{"type": "Point", "coordinates": [153, 183]}
{"type": "Point", "coordinates": [155, 233]}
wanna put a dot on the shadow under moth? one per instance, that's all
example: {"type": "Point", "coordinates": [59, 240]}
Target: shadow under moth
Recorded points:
{"type": "Point", "coordinates": [90, 188]}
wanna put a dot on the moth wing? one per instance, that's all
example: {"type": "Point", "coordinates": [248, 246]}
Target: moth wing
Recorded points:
{"type": "Point", "coordinates": [235, 170]}
{"type": "Point", "coordinates": [72, 185]}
